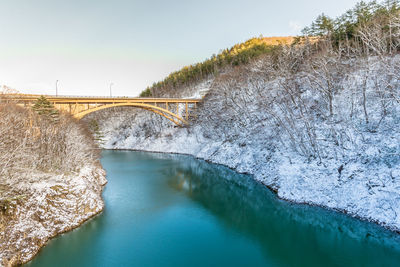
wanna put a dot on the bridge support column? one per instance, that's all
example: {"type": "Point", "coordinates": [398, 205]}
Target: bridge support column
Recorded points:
{"type": "Point", "coordinates": [187, 111]}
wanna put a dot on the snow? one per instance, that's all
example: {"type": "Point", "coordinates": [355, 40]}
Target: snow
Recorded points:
{"type": "Point", "coordinates": [199, 90]}
{"type": "Point", "coordinates": [359, 170]}
{"type": "Point", "coordinates": [53, 204]}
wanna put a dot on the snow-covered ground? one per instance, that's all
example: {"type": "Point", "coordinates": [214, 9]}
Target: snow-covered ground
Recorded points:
{"type": "Point", "coordinates": [256, 125]}
{"type": "Point", "coordinates": [50, 205]}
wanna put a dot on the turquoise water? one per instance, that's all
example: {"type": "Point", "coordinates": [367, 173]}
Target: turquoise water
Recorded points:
{"type": "Point", "coordinates": [171, 210]}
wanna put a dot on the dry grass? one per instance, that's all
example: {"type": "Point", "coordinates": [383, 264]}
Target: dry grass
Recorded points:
{"type": "Point", "coordinates": [279, 40]}
{"type": "Point", "coordinates": [31, 142]}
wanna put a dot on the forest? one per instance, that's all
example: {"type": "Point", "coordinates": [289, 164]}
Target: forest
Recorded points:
{"type": "Point", "coordinates": [237, 55]}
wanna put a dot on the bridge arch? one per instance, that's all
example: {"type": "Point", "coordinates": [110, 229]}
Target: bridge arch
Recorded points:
{"type": "Point", "coordinates": [80, 106]}
{"type": "Point", "coordinates": [156, 109]}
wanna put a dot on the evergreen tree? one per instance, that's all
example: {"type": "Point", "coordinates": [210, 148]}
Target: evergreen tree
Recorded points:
{"type": "Point", "coordinates": [43, 107]}
{"type": "Point", "coordinates": [146, 93]}
{"type": "Point", "coordinates": [97, 133]}
{"type": "Point", "coordinates": [322, 26]}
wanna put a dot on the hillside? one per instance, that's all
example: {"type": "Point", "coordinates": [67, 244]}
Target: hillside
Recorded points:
{"type": "Point", "coordinates": [237, 55]}
{"type": "Point", "coordinates": [316, 122]}
{"type": "Point", "coordinates": [50, 178]}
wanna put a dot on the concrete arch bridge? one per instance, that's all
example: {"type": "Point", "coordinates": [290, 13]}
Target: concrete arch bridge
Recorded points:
{"type": "Point", "coordinates": [179, 111]}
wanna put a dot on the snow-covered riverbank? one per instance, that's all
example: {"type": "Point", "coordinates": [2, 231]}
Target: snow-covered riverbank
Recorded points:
{"type": "Point", "coordinates": [285, 140]}
{"type": "Point", "coordinates": [51, 179]}
{"type": "Point", "coordinates": [51, 205]}
{"type": "Point", "coordinates": [370, 192]}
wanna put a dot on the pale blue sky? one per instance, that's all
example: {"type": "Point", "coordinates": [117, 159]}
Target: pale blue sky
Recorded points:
{"type": "Point", "coordinates": [86, 44]}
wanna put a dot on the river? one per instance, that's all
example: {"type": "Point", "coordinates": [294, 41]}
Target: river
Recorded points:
{"type": "Point", "coordinates": [174, 210]}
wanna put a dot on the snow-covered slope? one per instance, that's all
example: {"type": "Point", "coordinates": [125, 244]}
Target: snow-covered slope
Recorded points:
{"type": "Point", "coordinates": [51, 179]}
{"type": "Point", "coordinates": [51, 204]}
{"type": "Point", "coordinates": [276, 125]}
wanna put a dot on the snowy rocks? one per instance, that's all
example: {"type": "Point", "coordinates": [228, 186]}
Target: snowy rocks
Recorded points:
{"type": "Point", "coordinates": [51, 204]}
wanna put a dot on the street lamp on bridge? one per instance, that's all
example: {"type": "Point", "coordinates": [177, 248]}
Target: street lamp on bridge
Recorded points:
{"type": "Point", "coordinates": [111, 84]}
{"type": "Point", "coordinates": [56, 87]}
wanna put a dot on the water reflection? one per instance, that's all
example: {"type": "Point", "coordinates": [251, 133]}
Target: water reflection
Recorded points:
{"type": "Point", "coordinates": [291, 234]}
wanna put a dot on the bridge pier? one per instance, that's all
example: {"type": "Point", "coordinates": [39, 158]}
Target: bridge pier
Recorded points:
{"type": "Point", "coordinates": [187, 111]}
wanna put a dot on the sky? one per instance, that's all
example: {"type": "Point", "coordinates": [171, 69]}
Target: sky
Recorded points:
{"type": "Point", "coordinates": [88, 44]}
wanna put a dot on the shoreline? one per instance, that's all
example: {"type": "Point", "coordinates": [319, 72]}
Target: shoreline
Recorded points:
{"type": "Point", "coordinates": [62, 207]}
{"type": "Point", "coordinates": [73, 227]}
{"type": "Point", "coordinates": [21, 261]}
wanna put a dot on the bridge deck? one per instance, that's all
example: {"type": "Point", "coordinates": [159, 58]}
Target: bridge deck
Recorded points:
{"type": "Point", "coordinates": [96, 99]}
